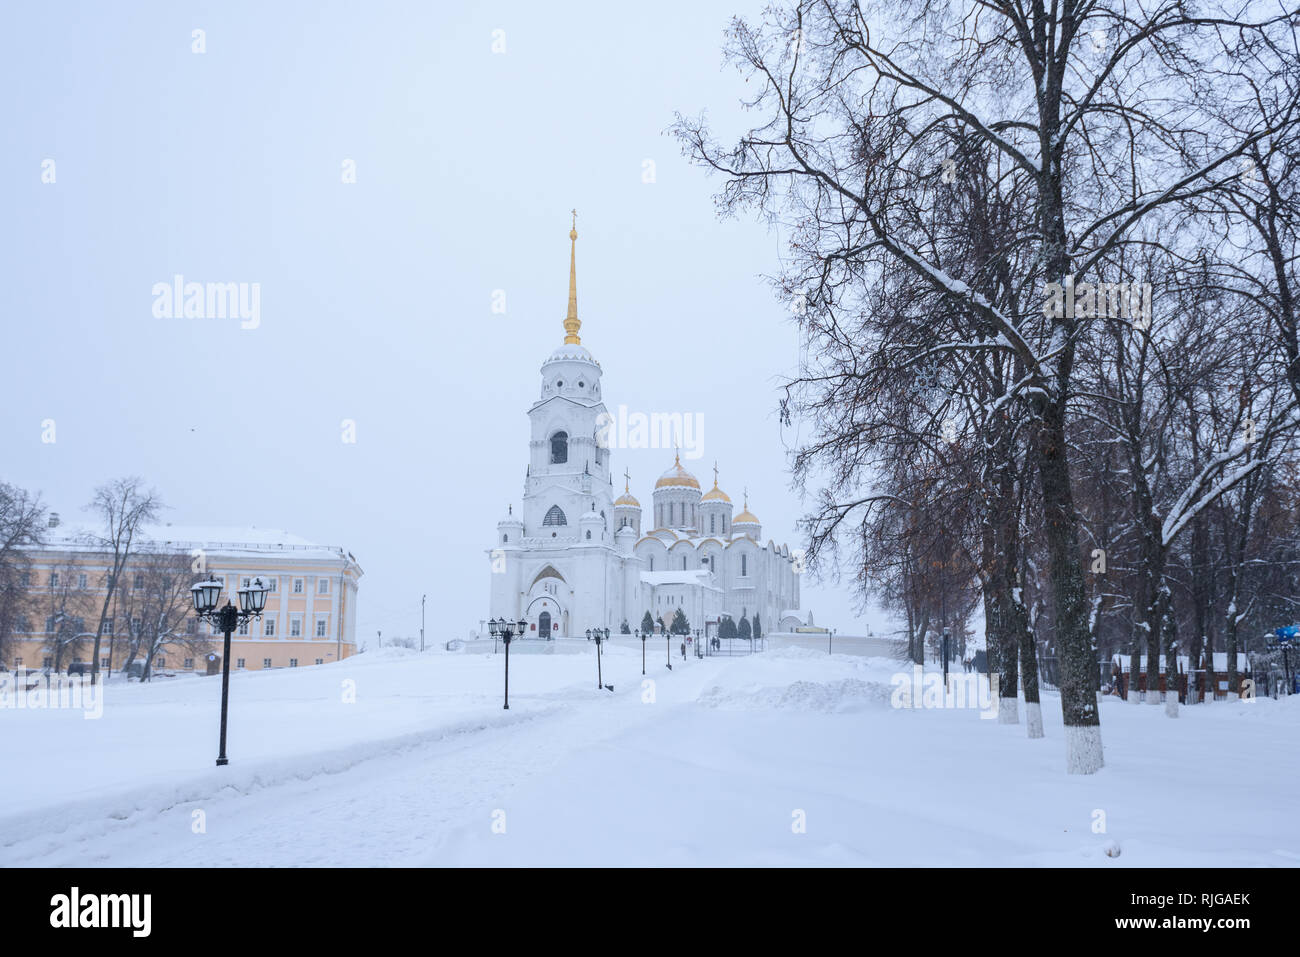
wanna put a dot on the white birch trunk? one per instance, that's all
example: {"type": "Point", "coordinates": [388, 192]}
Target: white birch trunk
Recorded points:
{"type": "Point", "coordinates": [1083, 753]}
{"type": "Point", "coordinates": [1034, 718]}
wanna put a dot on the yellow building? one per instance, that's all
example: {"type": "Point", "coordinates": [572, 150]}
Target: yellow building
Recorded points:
{"type": "Point", "coordinates": [310, 615]}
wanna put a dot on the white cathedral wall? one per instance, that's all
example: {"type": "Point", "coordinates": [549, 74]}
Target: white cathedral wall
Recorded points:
{"type": "Point", "coordinates": [505, 585]}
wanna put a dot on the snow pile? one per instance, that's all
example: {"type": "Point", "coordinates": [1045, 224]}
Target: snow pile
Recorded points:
{"type": "Point", "coordinates": [834, 697]}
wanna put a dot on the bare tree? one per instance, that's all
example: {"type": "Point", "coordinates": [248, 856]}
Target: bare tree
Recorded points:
{"type": "Point", "coordinates": [160, 608]}
{"type": "Point", "coordinates": [853, 145]}
{"type": "Point", "coordinates": [22, 525]}
{"type": "Point", "coordinates": [65, 596]}
{"type": "Point", "coordinates": [124, 507]}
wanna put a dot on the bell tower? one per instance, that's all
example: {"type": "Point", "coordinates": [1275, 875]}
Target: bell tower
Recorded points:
{"type": "Point", "coordinates": [568, 461]}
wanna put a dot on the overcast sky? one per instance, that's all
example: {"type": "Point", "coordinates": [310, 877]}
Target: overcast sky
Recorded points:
{"type": "Point", "coordinates": [375, 296]}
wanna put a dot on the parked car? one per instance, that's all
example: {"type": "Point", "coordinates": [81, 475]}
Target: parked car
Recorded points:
{"type": "Point", "coordinates": [79, 668]}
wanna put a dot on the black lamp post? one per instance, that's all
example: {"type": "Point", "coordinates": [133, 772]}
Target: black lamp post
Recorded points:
{"type": "Point", "coordinates": [600, 634]}
{"type": "Point", "coordinates": [699, 648]}
{"type": "Point", "coordinates": [642, 635]}
{"type": "Point", "coordinates": [505, 630]}
{"type": "Point", "coordinates": [668, 643]}
{"type": "Point", "coordinates": [252, 602]}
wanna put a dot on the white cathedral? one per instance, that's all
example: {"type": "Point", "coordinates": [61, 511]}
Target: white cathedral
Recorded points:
{"type": "Point", "coordinates": [574, 557]}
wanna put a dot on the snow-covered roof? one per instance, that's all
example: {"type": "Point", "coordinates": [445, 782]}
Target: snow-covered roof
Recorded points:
{"type": "Point", "coordinates": [215, 539]}
{"type": "Point", "coordinates": [723, 541]}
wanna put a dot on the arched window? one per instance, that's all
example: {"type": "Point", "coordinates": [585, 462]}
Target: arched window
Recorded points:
{"type": "Point", "coordinates": [504, 539]}
{"type": "Point", "coordinates": [559, 449]}
{"type": "Point", "coordinates": [712, 520]}
{"type": "Point", "coordinates": [588, 533]}
{"type": "Point", "coordinates": [744, 565]}
{"type": "Point", "coordinates": [554, 516]}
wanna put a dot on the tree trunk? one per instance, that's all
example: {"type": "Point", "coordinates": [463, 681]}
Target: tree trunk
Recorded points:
{"type": "Point", "coordinates": [1083, 747]}
{"type": "Point", "coordinates": [1028, 666]}
{"type": "Point", "coordinates": [1169, 632]}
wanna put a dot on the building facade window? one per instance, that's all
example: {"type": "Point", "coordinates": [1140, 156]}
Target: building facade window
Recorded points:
{"type": "Point", "coordinates": [297, 586]}
{"type": "Point", "coordinates": [295, 628]}
{"type": "Point", "coordinates": [239, 662]}
{"type": "Point", "coordinates": [322, 586]}
{"type": "Point", "coordinates": [555, 516]}
{"type": "Point", "coordinates": [320, 628]}
{"type": "Point", "coordinates": [268, 628]}
{"type": "Point", "coordinates": [266, 662]}
{"type": "Point", "coordinates": [293, 662]}
{"type": "Point", "coordinates": [559, 448]}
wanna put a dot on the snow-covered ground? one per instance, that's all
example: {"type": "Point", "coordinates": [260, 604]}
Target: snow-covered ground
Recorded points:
{"type": "Point", "coordinates": [791, 757]}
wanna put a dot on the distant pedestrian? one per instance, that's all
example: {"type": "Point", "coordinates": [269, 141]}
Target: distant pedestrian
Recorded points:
{"type": "Point", "coordinates": [683, 651]}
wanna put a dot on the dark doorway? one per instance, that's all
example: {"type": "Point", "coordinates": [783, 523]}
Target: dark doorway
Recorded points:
{"type": "Point", "coordinates": [544, 624]}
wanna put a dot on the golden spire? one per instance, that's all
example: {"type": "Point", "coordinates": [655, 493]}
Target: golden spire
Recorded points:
{"type": "Point", "coordinates": [571, 322]}
{"type": "Point", "coordinates": [627, 482]}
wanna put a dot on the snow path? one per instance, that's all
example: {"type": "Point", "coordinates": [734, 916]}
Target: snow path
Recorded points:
{"type": "Point", "coordinates": [714, 771]}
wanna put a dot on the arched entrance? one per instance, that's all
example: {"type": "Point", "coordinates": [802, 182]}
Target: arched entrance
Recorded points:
{"type": "Point", "coordinates": [545, 604]}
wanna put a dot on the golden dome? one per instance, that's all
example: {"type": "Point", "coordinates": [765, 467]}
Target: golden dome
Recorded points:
{"type": "Point", "coordinates": [715, 494]}
{"type": "Point", "coordinates": [677, 477]}
{"type": "Point", "coordinates": [626, 498]}
{"type": "Point", "coordinates": [745, 518]}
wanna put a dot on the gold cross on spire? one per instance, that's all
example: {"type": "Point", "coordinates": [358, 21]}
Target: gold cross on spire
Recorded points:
{"type": "Point", "coordinates": [627, 481]}
{"type": "Point", "coordinates": [715, 473]}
